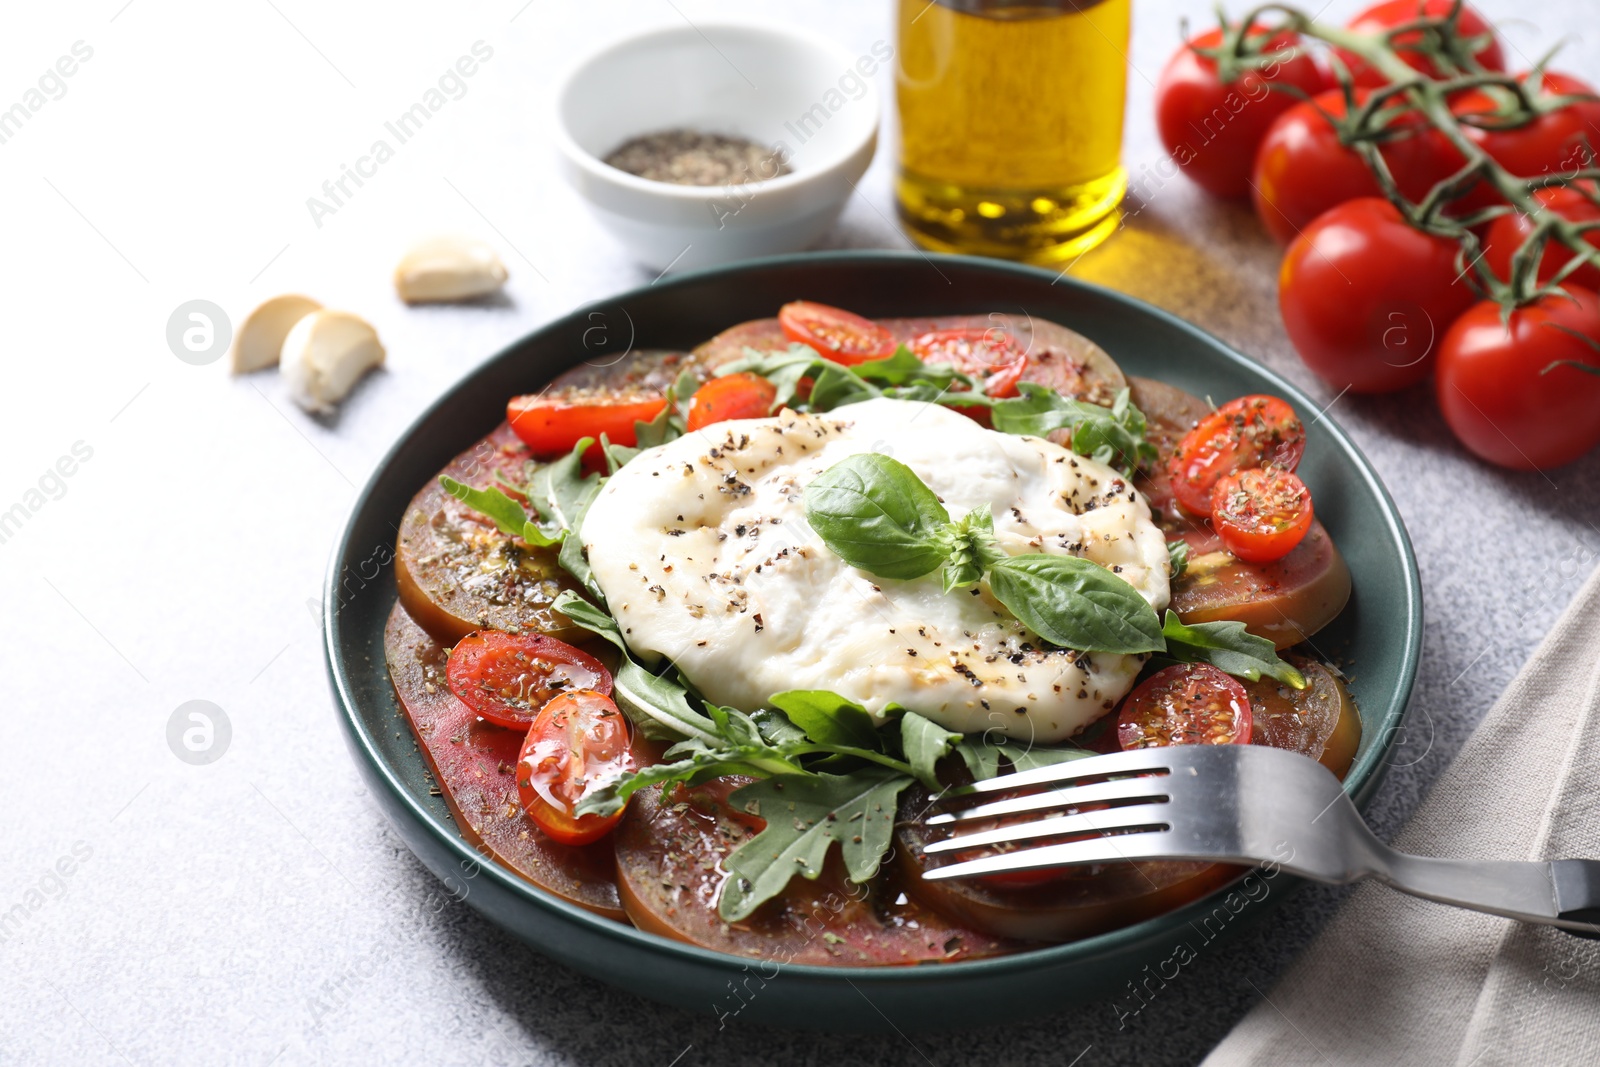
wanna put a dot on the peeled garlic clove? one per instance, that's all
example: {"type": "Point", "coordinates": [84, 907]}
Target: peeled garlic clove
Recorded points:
{"type": "Point", "coordinates": [260, 337]}
{"type": "Point", "coordinates": [442, 269]}
{"type": "Point", "coordinates": [324, 356]}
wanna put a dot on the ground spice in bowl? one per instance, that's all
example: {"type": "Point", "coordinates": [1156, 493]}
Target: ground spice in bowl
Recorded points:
{"type": "Point", "coordinates": [690, 157]}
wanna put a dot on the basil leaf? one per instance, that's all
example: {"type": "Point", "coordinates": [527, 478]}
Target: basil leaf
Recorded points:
{"type": "Point", "coordinates": [972, 550]}
{"type": "Point", "coordinates": [506, 514]}
{"type": "Point", "coordinates": [828, 718]}
{"type": "Point", "coordinates": [806, 815]}
{"type": "Point", "coordinates": [1114, 435]}
{"type": "Point", "coordinates": [1229, 647]}
{"type": "Point", "coordinates": [925, 743]}
{"type": "Point", "coordinates": [1178, 556]}
{"type": "Point", "coordinates": [1074, 603]}
{"type": "Point", "coordinates": [876, 514]}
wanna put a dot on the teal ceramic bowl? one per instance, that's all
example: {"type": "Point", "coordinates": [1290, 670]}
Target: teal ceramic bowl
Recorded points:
{"type": "Point", "coordinates": [1380, 633]}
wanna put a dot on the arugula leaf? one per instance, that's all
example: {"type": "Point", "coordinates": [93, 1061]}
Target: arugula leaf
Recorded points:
{"type": "Point", "coordinates": [1114, 435]}
{"type": "Point", "coordinates": [806, 815]}
{"type": "Point", "coordinates": [1228, 647]}
{"type": "Point", "coordinates": [506, 514]}
{"type": "Point", "coordinates": [876, 514]}
{"type": "Point", "coordinates": [1032, 757]}
{"type": "Point", "coordinates": [1178, 556]}
{"type": "Point", "coordinates": [901, 375]}
{"type": "Point", "coordinates": [903, 367]}
{"type": "Point", "coordinates": [828, 718]}
{"type": "Point", "coordinates": [925, 743]}
{"type": "Point", "coordinates": [983, 756]}
{"type": "Point", "coordinates": [783, 369]}
{"type": "Point", "coordinates": [657, 705]}
{"type": "Point", "coordinates": [1075, 603]}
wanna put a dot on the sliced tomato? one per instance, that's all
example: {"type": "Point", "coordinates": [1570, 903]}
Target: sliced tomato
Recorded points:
{"type": "Point", "coordinates": [1262, 513]}
{"type": "Point", "coordinates": [991, 355]}
{"type": "Point", "coordinates": [1251, 431]}
{"type": "Point", "coordinates": [840, 335]}
{"type": "Point", "coordinates": [552, 424]}
{"type": "Point", "coordinates": [507, 678]}
{"type": "Point", "coordinates": [579, 742]}
{"type": "Point", "coordinates": [733, 396]}
{"type": "Point", "coordinates": [1190, 704]}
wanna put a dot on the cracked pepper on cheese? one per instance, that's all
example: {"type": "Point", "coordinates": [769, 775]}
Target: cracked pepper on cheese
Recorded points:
{"type": "Point", "coordinates": [703, 552]}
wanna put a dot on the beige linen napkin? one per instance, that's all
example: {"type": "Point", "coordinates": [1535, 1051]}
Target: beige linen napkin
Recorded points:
{"type": "Point", "coordinates": [1396, 980]}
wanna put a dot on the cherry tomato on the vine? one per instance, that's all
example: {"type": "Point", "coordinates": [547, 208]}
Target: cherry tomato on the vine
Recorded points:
{"type": "Point", "coordinates": [1383, 17]}
{"type": "Point", "coordinates": [1262, 513]}
{"type": "Point", "coordinates": [1565, 139]}
{"type": "Point", "coordinates": [1190, 704]}
{"type": "Point", "coordinates": [1525, 393]}
{"type": "Point", "coordinates": [1365, 297]}
{"type": "Point", "coordinates": [1247, 432]}
{"type": "Point", "coordinates": [1508, 233]}
{"type": "Point", "coordinates": [579, 742]}
{"type": "Point", "coordinates": [1302, 169]}
{"type": "Point", "coordinates": [1212, 130]}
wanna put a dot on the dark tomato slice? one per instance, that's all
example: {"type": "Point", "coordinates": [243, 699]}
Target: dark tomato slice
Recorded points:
{"type": "Point", "coordinates": [1251, 431]}
{"type": "Point", "coordinates": [579, 742]}
{"type": "Point", "coordinates": [1320, 721]}
{"type": "Point", "coordinates": [508, 678]}
{"type": "Point", "coordinates": [838, 334]}
{"type": "Point", "coordinates": [1190, 704]}
{"type": "Point", "coordinates": [1262, 513]}
{"type": "Point", "coordinates": [991, 355]}
{"type": "Point", "coordinates": [551, 424]}
{"type": "Point", "coordinates": [733, 396]}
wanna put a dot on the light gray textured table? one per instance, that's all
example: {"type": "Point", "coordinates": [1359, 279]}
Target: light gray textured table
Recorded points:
{"type": "Point", "coordinates": [258, 910]}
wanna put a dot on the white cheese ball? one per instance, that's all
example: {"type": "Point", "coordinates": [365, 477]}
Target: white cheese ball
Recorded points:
{"type": "Point", "coordinates": [704, 554]}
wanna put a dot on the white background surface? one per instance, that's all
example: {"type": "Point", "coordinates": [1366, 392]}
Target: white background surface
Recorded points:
{"type": "Point", "coordinates": [258, 910]}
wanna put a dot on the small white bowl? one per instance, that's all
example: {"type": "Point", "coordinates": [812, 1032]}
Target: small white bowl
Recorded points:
{"type": "Point", "coordinates": [812, 101]}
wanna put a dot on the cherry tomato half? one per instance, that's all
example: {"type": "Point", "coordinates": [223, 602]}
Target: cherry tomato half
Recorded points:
{"type": "Point", "coordinates": [1247, 432]}
{"type": "Point", "coordinates": [1212, 130]}
{"type": "Point", "coordinates": [1190, 704]}
{"type": "Point", "coordinates": [1381, 18]}
{"type": "Point", "coordinates": [1261, 514]}
{"type": "Point", "coordinates": [733, 396]}
{"type": "Point", "coordinates": [506, 678]}
{"type": "Point", "coordinates": [840, 335]}
{"type": "Point", "coordinates": [1509, 391]}
{"type": "Point", "coordinates": [551, 424]}
{"type": "Point", "coordinates": [1508, 232]}
{"type": "Point", "coordinates": [1302, 169]}
{"type": "Point", "coordinates": [1365, 297]}
{"type": "Point", "coordinates": [579, 742]}
{"type": "Point", "coordinates": [990, 355]}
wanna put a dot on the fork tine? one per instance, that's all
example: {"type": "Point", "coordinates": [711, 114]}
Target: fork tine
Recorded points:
{"type": "Point", "coordinates": [1110, 849]}
{"type": "Point", "coordinates": [1136, 816]}
{"type": "Point", "coordinates": [1142, 788]}
{"type": "Point", "coordinates": [1139, 761]}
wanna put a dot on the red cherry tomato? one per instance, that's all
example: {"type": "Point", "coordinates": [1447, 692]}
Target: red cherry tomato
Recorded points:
{"type": "Point", "coordinates": [990, 355]}
{"type": "Point", "coordinates": [1508, 233]}
{"type": "Point", "coordinates": [1365, 297]}
{"type": "Point", "coordinates": [842, 336]}
{"type": "Point", "coordinates": [1557, 141]}
{"type": "Point", "coordinates": [506, 678]}
{"type": "Point", "coordinates": [1381, 18]}
{"type": "Point", "coordinates": [1190, 704]}
{"type": "Point", "coordinates": [1302, 169]}
{"type": "Point", "coordinates": [1262, 513]}
{"type": "Point", "coordinates": [1212, 130]}
{"type": "Point", "coordinates": [552, 424]}
{"type": "Point", "coordinates": [1509, 391]}
{"type": "Point", "coordinates": [579, 742]}
{"type": "Point", "coordinates": [1243, 433]}
{"type": "Point", "coordinates": [733, 396]}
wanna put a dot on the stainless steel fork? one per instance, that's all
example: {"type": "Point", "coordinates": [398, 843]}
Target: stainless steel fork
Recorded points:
{"type": "Point", "coordinates": [1245, 804]}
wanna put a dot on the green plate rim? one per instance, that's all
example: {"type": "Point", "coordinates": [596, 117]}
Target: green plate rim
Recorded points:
{"type": "Point", "coordinates": [1367, 769]}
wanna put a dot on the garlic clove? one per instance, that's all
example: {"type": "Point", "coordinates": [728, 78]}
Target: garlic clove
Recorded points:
{"type": "Point", "coordinates": [442, 269]}
{"type": "Point", "coordinates": [260, 337]}
{"type": "Point", "coordinates": [324, 356]}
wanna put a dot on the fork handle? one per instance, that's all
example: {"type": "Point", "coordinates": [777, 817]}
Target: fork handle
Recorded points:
{"type": "Point", "coordinates": [1562, 893]}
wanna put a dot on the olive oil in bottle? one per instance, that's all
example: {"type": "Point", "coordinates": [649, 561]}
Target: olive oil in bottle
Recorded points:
{"type": "Point", "coordinates": [1011, 124]}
